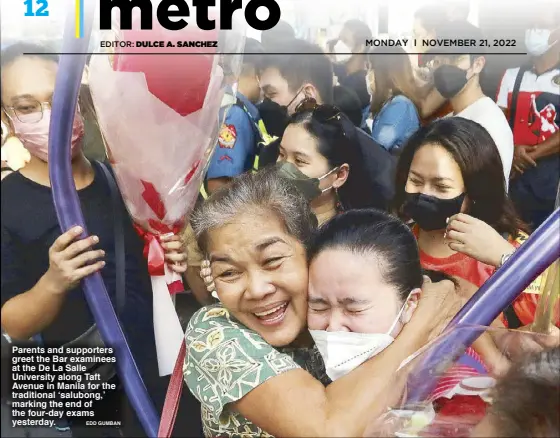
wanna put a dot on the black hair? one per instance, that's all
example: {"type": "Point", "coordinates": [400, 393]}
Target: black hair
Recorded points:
{"type": "Point", "coordinates": [431, 16]}
{"type": "Point", "coordinates": [526, 401]}
{"type": "Point", "coordinates": [298, 70]}
{"type": "Point", "coordinates": [359, 30]}
{"type": "Point", "coordinates": [337, 141]}
{"type": "Point", "coordinates": [252, 54]}
{"type": "Point", "coordinates": [17, 50]}
{"type": "Point", "coordinates": [476, 154]}
{"type": "Point", "coordinates": [348, 102]}
{"type": "Point", "coordinates": [374, 232]}
{"type": "Point", "coordinates": [281, 32]}
{"type": "Point", "coordinates": [458, 29]}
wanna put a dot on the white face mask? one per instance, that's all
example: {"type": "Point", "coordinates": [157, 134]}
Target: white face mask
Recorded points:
{"type": "Point", "coordinates": [536, 41]}
{"type": "Point", "coordinates": [343, 52]}
{"type": "Point", "coordinates": [344, 351]}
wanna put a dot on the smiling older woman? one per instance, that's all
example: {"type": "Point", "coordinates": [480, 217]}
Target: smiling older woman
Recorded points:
{"type": "Point", "coordinates": [250, 359]}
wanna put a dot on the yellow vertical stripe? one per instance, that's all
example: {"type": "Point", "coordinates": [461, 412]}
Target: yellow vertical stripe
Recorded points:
{"type": "Point", "coordinates": [77, 18]}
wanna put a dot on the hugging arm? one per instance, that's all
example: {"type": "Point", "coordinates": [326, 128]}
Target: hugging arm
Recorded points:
{"type": "Point", "coordinates": [288, 401]}
{"type": "Point", "coordinates": [296, 404]}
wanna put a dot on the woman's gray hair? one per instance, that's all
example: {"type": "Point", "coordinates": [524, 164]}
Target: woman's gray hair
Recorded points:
{"type": "Point", "coordinates": [265, 191]}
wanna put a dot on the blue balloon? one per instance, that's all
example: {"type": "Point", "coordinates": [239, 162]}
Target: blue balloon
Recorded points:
{"type": "Point", "coordinates": [527, 263]}
{"type": "Point", "coordinates": [67, 206]}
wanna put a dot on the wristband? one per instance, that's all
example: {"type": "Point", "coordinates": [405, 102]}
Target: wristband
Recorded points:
{"type": "Point", "coordinates": [504, 258]}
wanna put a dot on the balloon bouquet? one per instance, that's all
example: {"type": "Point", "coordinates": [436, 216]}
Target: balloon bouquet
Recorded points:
{"type": "Point", "coordinates": [160, 115]}
{"type": "Point", "coordinates": [445, 388]}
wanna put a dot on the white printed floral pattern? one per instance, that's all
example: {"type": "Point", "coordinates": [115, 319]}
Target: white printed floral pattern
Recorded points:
{"type": "Point", "coordinates": [225, 361]}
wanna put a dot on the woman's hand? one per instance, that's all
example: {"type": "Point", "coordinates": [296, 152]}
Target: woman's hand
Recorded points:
{"type": "Point", "coordinates": [438, 304]}
{"type": "Point", "coordinates": [477, 239]}
{"type": "Point", "coordinates": [71, 260]}
{"type": "Point", "coordinates": [519, 343]}
{"type": "Point", "coordinates": [206, 275]}
{"type": "Point", "coordinates": [175, 253]}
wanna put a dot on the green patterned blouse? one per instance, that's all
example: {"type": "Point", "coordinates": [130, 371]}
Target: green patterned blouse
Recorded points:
{"type": "Point", "coordinates": [226, 360]}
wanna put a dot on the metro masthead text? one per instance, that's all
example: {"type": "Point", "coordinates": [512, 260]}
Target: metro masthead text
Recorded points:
{"type": "Point", "coordinates": [181, 9]}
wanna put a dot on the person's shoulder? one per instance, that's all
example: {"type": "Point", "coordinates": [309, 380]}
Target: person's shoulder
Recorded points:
{"type": "Point", "coordinates": [11, 181]}
{"type": "Point", "coordinates": [366, 140]}
{"type": "Point", "coordinates": [215, 322]}
{"type": "Point", "coordinates": [14, 189]}
{"type": "Point", "coordinates": [491, 114]}
{"type": "Point", "coordinates": [236, 115]}
{"type": "Point", "coordinates": [491, 108]}
{"type": "Point", "coordinates": [213, 325]}
{"type": "Point", "coordinates": [484, 111]}
{"type": "Point", "coordinates": [210, 316]}
{"type": "Point", "coordinates": [401, 105]}
{"type": "Point", "coordinates": [510, 74]}
{"type": "Point", "coordinates": [401, 99]}
{"type": "Point", "coordinates": [512, 71]}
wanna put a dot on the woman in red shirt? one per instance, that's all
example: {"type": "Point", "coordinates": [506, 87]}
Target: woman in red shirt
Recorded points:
{"type": "Point", "coordinates": [449, 183]}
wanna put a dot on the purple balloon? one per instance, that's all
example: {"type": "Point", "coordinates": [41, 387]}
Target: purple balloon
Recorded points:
{"type": "Point", "coordinates": [67, 206]}
{"type": "Point", "coordinates": [527, 263]}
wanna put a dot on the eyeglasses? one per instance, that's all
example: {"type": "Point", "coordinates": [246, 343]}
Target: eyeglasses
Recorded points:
{"type": "Point", "coordinates": [29, 110]}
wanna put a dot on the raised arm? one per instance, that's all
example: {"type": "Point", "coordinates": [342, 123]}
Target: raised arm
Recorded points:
{"type": "Point", "coordinates": [296, 404]}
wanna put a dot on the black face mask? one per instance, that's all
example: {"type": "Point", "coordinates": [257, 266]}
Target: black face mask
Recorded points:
{"type": "Point", "coordinates": [271, 105]}
{"type": "Point", "coordinates": [285, 107]}
{"type": "Point", "coordinates": [449, 80]}
{"type": "Point", "coordinates": [429, 212]}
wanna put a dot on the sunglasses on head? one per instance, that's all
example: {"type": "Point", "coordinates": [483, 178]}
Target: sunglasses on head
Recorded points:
{"type": "Point", "coordinates": [321, 113]}
{"type": "Point", "coordinates": [324, 113]}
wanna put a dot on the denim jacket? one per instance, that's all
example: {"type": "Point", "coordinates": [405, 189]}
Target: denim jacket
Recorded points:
{"type": "Point", "coordinates": [397, 120]}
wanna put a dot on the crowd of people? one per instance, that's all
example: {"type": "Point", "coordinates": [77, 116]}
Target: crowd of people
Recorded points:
{"type": "Point", "coordinates": [354, 201]}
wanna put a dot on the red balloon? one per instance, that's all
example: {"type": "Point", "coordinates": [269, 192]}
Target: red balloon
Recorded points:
{"type": "Point", "coordinates": [178, 76]}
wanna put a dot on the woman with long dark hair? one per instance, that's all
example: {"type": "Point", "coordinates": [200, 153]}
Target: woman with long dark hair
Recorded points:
{"type": "Point", "coordinates": [394, 97]}
{"type": "Point", "coordinates": [320, 150]}
{"type": "Point", "coordinates": [450, 182]}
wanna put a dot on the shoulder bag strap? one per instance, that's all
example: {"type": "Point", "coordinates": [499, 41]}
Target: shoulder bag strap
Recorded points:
{"type": "Point", "coordinates": [173, 396]}
{"type": "Point", "coordinates": [515, 95]}
{"type": "Point", "coordinates": [120, 269]}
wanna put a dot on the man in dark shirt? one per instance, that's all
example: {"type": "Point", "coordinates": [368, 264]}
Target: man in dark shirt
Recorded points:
{"type": "Point", "coordinates": [533, 110]}
{"type": "Point", "coordinates": [351, 49]}
{"type": "Point", "coordinates": [289, 79]}
{"type": "Point", "coordinates": [42, 269]}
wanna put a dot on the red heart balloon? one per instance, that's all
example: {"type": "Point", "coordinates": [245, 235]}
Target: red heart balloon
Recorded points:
{"type": "Point", "coordinates": [178, 76]}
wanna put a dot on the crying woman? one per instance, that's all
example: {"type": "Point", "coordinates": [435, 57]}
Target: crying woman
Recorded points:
{"type": "Point", "coordinates": [365, 281]}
